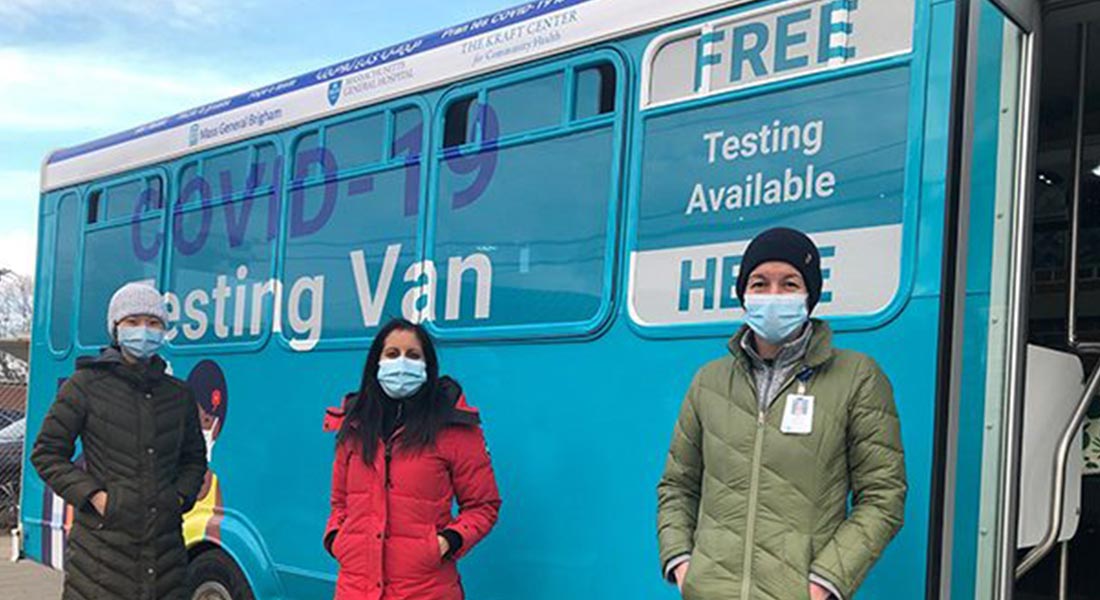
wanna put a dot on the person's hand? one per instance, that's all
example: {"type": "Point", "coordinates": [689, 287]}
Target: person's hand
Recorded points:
{"type": "Point", "coordinates": [444, 546]}
{"type": "Point", "coordinates": [99, 502]}
{"type": "Point", "coordinates": [679, 573]}
{"type": "Point", "coordinates": [819, 593]}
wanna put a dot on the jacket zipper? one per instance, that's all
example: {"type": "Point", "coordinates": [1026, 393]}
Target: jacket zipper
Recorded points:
{"type": "Point", "coordinates": [762, 404]}
{"type": "Point", "coordinates": [386, 485]}
{"type": "Point", "coordinates": [389, 457]}
{"type": "Point", "coordinates": [754, 484]}
{"type": "Point", "coordinates": [389, 448]}
{"type": "Point", "coordinates": [750, 533]}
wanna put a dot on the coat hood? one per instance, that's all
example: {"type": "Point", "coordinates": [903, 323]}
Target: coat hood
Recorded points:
{"type": "Point", "coordinates": [460, 412]}
{"type": "Point", "coordinates": [111, 357]}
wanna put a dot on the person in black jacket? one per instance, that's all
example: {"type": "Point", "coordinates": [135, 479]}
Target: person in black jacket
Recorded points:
{"type": "Point", "coordinates": [145, 460]}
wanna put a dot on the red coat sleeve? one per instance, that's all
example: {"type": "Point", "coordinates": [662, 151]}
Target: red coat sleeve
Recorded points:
{"type": "Point", "coordinates": [338, 499]}
{"type": "Point", "coordinates": [475, 487]}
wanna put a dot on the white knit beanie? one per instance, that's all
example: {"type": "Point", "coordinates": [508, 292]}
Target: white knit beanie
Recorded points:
{"type": "Point", "coordinates": [135, 299]}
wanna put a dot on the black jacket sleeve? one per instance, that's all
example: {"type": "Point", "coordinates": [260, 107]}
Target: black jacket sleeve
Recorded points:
{"type": "Point", "coordinates": [52, 455]}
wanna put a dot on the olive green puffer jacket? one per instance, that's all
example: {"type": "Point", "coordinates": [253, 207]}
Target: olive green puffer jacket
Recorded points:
{"type": "Point", "coordinates": [759, 510]}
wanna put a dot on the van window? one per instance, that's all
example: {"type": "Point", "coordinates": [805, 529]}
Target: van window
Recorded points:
{"type": "Point", "coordinates": [521, 236]}
{"type": "Point", "coordinates": [351, 235]}
{"type": "Point", "coordinates": [66, 241]}
{"type": "Point", "coordinates": [529, 105]}
{"type": "Point", "coordinates": [124, 247]}
{"type": "Point", "coordinates": [224, 226]}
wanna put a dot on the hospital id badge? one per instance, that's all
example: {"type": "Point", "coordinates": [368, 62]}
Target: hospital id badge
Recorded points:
{"type": "Point", "coordinates": [798, 415]}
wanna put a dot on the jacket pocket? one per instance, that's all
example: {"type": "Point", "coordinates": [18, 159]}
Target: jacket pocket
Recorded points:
{"type": "Point", "coordinates": [120, 514]}
{"type": "Point", "coordinates": [432, 558]}
{"type": "Point", "coordinates": [417, 554]}
{"type": "Point", "coordinates": [687, 575]}
{"type": "Point", "coordinates": [88, 516]}
{"type": "Point", "coordinates": [111, 508]}
{"type": "Point", "coordinates": [168, 502]}
{"type": "Point", "coordinates": [336, 545]}
{"type": "Point", "coordinates": [691, 588]}
{"type": "Point", "coordinates": [797, 551]}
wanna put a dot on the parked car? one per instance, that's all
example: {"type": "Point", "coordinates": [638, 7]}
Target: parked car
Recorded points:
{"type": "Point", "coordinates": [11, 463]}
{"type": "Point", "coordinates": [11, 447]}
{"type": "Point", "coordinates": [8, 416]}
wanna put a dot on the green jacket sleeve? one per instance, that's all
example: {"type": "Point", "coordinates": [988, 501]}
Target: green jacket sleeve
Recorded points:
{"type": "Point", "coordinates": [679, 489]}
{"type": "Point", "coordinates": [52, 455]}
{"type": "Point", "coordinates": [876, 464]}
{"type": "Point", "coordinates": [192, 460]}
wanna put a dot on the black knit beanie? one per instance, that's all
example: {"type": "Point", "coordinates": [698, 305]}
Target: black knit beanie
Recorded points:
{"type": "Point", "coordinates": [784, 245]}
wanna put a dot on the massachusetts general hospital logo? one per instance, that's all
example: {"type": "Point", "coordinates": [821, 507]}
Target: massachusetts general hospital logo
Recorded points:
{"type": "Point", "coordinates": [334, 92]}
{"type": "Point", "coordinates": [193, 135]}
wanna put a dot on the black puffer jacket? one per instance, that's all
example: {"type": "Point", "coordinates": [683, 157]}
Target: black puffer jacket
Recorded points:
{"type": "Point", "coordinates": [142, 445]}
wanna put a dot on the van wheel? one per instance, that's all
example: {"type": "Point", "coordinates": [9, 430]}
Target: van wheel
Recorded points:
{"type": "Point", "coordinates": [213, 575]}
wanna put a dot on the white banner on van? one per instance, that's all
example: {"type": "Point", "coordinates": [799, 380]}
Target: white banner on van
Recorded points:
{"type": "Point", "coordinates": [697, 284]}
{"type": "Point", "coordinates": [773, 43]}
{"type": "Point", "coordinates": [513, 36]}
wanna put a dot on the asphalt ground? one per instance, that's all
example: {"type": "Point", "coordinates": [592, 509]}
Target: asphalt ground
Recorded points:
{"type": "Point", "coordinates": [26, 580]}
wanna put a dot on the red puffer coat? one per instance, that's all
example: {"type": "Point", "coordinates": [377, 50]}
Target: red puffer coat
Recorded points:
{"type": "Point", "coordinates": [384, 535]}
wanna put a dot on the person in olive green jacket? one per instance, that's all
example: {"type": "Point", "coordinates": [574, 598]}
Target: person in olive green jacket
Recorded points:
{"type": "Point", "coordinates": [770, 444]}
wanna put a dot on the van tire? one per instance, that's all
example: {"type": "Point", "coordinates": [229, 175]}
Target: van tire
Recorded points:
{"type": "Point", "coordinates": [213, 575]}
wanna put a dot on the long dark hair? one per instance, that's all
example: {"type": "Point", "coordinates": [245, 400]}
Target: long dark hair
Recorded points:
{"type": "Point", "coordinates": [425, 413]}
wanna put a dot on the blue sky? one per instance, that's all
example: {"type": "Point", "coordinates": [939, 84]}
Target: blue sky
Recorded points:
{"type": "Point", "coordinates": [74, 70]}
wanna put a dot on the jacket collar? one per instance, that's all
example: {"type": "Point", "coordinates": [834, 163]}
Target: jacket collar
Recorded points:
{"type": "Point", "coordinates": [789, 354]}
{"type": "Point", "coordinates": [110, 359]}
{"type": "Point", "coordinates": [460, 413]}
{"type": "Point", "coordinates": [818, 351]}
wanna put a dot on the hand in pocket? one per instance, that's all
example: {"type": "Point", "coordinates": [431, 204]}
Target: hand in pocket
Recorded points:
{"type": "Point", "coordinates": [680, 572]}
{"type": "Point", "coordinates": [99, 502]}
{"type": "Point", "coordinates": [819, 593]}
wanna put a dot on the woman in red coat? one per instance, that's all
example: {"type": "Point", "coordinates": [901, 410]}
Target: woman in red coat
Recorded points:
{"type": "Point", "coordinates": [408, 447]}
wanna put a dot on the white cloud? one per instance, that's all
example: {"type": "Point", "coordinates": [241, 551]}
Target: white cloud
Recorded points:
{"type": "Point", "coordinates": [18, 187]}
{"type": "Point", "coordinates": [182, 14]}
{"type": "Point", "coordinates": [18, 209]}
{"type": "Point", "coordinates": [17, 251]}
{"type": "Point", "coordinates": [95, 85]}
{"type": "Point", "coordinates": [78, 96]}
{"type": "Point", "coordinates": [90, 92]}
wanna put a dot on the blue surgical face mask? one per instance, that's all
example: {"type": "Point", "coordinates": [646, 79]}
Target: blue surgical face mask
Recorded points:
{"type": "Point", "coordinates": [140, 342]}
{"type": "Point", "coordinates": [776, 317]}
{"type": "Point", "coordinates": [401, 377]}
